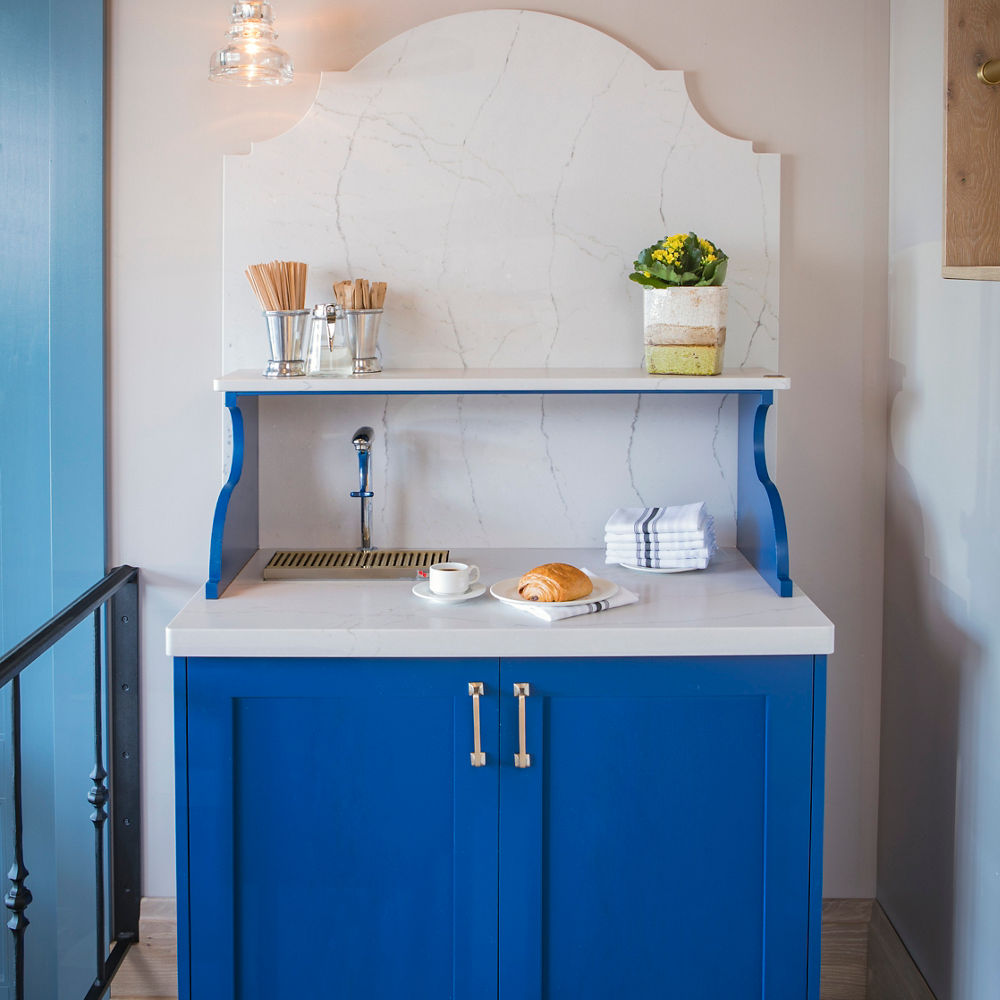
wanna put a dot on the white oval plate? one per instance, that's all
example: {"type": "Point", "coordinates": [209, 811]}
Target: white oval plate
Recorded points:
{"type": "Point", "coordinates": [653, 569]}
{"type": "Point", "coordinates": [506, 591]}
{"type": "Point", "coordinates": [424, 590]}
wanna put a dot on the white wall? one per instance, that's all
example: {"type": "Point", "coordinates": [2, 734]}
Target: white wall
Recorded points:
{"type": "Point", "coordinates": [939, 825]}
{"type": "Point", "coordinates": [808, 81]}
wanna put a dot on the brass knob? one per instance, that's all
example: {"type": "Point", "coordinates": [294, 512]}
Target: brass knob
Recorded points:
{"type": "Point", "coordinates": [989, 72]}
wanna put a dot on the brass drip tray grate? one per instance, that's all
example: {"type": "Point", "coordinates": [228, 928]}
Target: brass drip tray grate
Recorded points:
{"type": "Point", "coordinates": [351, 564]}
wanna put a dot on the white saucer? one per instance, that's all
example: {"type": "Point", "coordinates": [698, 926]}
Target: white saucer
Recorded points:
{"type": "Point", "coordinates": [506, 591]}
{"type": "Point", "coordinates": [424, 590]}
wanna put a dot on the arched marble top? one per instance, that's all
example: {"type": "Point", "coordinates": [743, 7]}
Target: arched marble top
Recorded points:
{"type": "Point", "coordinates": [501, 169]}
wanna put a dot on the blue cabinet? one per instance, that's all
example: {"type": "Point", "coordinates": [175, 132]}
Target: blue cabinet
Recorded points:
{"type": "Point", "coordinates": [337, 839]}
{"type": "Point", "coordinates": [334, 840]}
{"type": "Point", "coordinates": [660, 842]}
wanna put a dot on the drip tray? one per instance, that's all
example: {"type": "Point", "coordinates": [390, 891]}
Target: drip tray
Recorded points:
{"type": "Point", "coordinates": [351, 564]}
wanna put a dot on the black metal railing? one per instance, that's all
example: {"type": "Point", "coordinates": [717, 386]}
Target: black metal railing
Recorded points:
{"type": "Point", "coordinates": [116, 787]}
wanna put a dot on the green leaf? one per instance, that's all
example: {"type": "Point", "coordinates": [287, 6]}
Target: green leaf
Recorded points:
{"type": "Point", "coordinates": [720, 271]}
{"type": "Point", "coordinates": [641, 279]}
{"type": "Point", "coordinates": [660, 270]}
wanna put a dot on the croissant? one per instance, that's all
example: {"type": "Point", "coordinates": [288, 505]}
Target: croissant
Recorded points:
{"type": "Point", "coordinates": [554, 582]}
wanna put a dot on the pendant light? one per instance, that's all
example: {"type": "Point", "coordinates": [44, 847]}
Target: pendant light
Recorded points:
{"type": "Point", "coordinates": [250, 56]}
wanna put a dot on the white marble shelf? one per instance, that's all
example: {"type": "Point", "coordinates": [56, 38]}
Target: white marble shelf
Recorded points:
{"type": "Point", "coordinates": [727, 609]}
{"type": "Point", "coordinates": [504, 380]}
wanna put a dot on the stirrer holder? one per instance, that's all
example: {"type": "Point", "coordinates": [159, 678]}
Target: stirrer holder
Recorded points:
{"type": "Point", "coordinates": [286, 335]}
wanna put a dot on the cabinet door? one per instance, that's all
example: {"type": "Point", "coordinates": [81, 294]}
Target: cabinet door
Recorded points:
{"type": "Point", "coordinates": [658, 845]}
{"type": "Point", "coordinates": [339, 842]}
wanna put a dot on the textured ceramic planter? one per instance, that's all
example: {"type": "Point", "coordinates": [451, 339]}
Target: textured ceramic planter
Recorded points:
{"type": "Point", "coordinates": [685, 329]}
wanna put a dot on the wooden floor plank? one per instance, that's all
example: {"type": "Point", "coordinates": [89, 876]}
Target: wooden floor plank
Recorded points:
{"type": "Point", "coordinates": [863, 958]}
{"type": "Point", "coordinates": [843, 969]}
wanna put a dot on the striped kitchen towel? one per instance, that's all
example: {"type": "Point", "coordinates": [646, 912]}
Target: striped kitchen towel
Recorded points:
{"type": "Point", "coordinates": [690, 517]}
{"type": "Point", "coordinates": [661, 537]}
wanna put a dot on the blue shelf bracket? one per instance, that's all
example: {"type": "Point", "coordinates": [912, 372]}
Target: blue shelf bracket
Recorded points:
{"type": "Point", "coordinates": [761, 534]}
{"type": "Point", "coordinates": [236, 525]}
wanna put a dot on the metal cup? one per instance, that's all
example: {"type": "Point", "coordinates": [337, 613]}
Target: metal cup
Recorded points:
{"type": "Point", "coordinates": [362, 338]}
{"type": "Point", "coordinates": [286, 335]}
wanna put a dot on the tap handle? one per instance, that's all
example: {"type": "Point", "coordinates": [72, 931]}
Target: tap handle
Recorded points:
{"type": "Point", "coordinates": [362, 439]}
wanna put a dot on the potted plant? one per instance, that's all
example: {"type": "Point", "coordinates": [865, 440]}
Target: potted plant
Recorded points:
{"type": "Point", "coordinates": [684, 307]}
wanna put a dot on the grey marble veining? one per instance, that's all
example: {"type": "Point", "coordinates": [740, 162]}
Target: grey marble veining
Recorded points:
{"type": "Point", "coordinates": [500, 169]}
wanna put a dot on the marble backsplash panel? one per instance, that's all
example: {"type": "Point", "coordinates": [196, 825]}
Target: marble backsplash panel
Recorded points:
{"type": "Point", "coordinates": [491, 470]}
{"type": "Point", "coordinates": [500, 169]}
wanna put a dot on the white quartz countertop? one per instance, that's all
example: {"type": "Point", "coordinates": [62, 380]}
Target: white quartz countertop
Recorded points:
{"type": "Point", "coordinates": [727, 609]}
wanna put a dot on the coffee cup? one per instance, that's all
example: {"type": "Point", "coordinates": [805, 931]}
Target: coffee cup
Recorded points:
{"type": "Point", "coordinates": [449, 579]}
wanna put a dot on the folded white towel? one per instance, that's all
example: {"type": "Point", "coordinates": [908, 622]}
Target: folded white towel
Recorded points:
{"type": "Point", "coordinates": [652, 520]}
{"type": "Point", "coordinates": [697, 540]}
{"type": "Point", "coordinates": [664, 537]}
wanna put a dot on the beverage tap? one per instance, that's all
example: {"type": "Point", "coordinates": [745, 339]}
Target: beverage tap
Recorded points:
{"type": "Point", "coordinates": [362, 442]}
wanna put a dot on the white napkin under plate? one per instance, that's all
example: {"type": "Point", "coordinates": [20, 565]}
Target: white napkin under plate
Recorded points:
{"type": "Point", "coordinates": [548, 613]}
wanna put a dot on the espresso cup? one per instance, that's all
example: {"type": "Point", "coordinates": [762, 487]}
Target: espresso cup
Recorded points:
{"type": "Point", "coordinates": [451, 578]}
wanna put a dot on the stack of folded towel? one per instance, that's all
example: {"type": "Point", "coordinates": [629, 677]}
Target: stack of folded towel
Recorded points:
{"type": "Point", "coordinates": [662, 538]}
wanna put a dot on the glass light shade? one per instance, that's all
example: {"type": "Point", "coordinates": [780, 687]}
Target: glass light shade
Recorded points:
{"type": "Point", "coordinates": [250, 56]}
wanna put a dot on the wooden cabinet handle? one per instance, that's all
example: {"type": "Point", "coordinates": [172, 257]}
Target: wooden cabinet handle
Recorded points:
{"type": "Point", "coordinates": [522, 759]}
{"type": "Point", "coordinates": [476, 690]}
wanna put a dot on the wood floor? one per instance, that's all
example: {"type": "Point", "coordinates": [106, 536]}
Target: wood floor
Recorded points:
{"type": "Point", "coordinates": [863, 957]}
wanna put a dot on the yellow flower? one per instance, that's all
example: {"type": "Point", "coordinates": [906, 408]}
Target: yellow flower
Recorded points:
{"type": "Point", "coordinates": [647, 274]}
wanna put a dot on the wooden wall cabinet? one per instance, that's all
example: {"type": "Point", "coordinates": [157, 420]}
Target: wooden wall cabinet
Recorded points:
{"type": "Point", "coordinates": [972, 143]}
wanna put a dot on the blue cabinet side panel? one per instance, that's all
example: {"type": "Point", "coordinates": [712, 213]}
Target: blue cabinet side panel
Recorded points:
{"type": "Point", "coordinates": [236, 525]}
{"type": "Point", "coordinates": [760, 519]}
{"type": "Point", "coordinates": [181, 827]}
{"type": "Point", "coordinates": [816, 827]}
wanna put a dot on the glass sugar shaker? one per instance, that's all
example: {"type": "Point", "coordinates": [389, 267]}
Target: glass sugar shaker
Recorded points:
{"type": "Point", "coordinates": [329, 354]}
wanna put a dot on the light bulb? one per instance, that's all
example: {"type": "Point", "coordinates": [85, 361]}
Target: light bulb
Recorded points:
{"type": "Point", "coordinates": [250, 56]}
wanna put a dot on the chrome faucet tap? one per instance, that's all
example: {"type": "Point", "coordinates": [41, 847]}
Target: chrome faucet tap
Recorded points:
{"type": "Point", "coordinates": [362, 442]}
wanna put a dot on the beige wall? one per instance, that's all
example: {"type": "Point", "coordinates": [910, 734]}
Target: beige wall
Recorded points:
{"type": "Point", "coordinates": [939, 809]}
{"type": "Point", "coordinates": [808, 80]}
